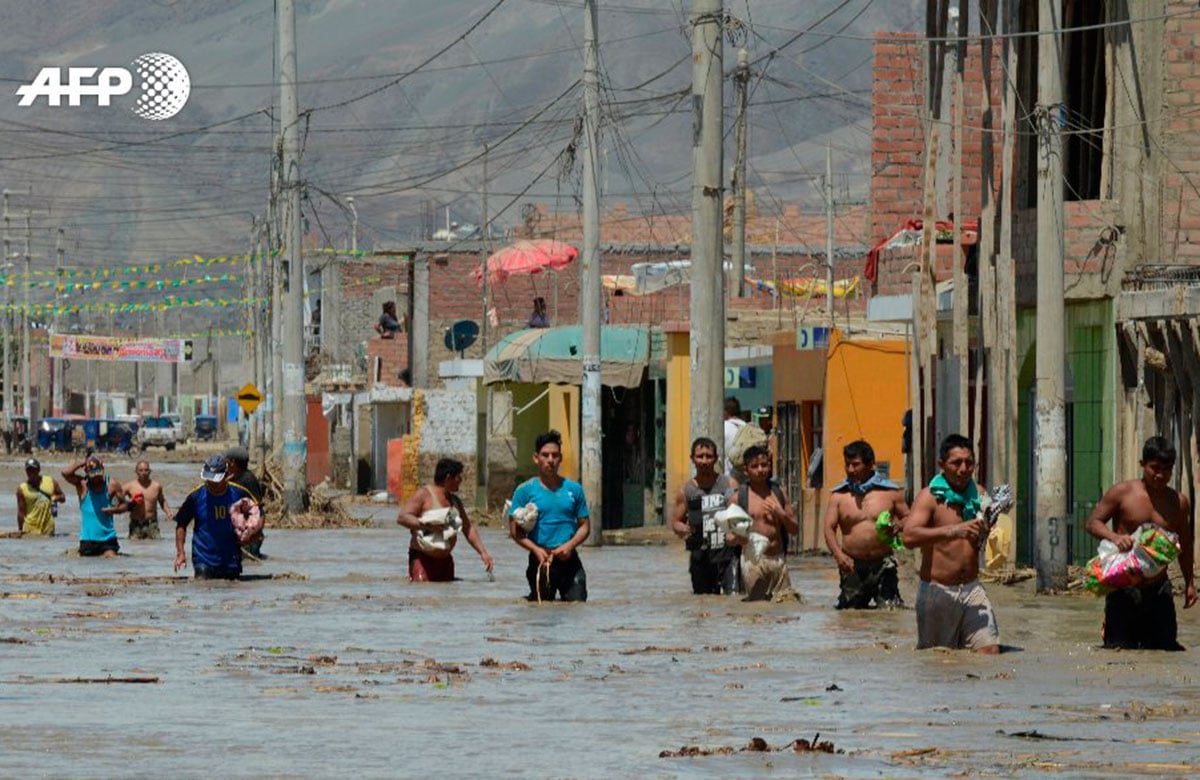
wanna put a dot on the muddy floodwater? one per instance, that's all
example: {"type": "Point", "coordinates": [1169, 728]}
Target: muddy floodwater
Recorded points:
{"type": "Point", "coordinates": [327, 662]}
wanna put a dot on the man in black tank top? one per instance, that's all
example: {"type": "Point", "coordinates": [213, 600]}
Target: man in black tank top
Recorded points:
{"type": "Point", "coordinates": [714, 560]}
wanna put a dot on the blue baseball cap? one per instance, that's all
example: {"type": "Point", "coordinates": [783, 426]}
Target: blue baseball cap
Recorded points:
{"type": "Point", "coordinates": [214, 469]}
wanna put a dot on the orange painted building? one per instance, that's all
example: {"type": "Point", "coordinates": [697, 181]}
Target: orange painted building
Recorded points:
{"type": "Point", "coordinates": [866, 395]}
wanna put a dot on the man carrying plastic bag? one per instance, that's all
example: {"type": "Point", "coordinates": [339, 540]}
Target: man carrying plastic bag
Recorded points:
{"type": "Point", "coordinates": [1140, 613]}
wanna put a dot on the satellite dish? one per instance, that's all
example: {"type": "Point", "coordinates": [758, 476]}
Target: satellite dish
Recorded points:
{"type": "Point", "coordinates": [461, 335]}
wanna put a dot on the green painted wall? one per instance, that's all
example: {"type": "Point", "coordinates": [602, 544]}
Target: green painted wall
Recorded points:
{"type": "Point", "coordinates": [1091, 359]}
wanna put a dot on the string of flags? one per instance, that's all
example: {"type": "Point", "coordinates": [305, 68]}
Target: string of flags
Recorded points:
{"type": "Point", "coordinates": [110, 307]}
{"type": "Point", "coordinates": [127, 284]}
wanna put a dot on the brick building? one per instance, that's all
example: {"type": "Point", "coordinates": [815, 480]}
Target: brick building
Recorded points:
{"type": "Point", "coordinates": [1131, 227]}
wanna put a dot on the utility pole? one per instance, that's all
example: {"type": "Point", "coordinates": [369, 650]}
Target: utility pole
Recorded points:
{"type": "Point", "coordinates": [1051, 434]}
{"type": "Point", "coordinates": [960, 339]}
{"type": "Point", "coordinates": [353, 223]}
{"type": "Point", "coordinates": [56, 372]}
{"type": "Point", "coordinates": [7, 319]}
{"type": "Point", "coordinates": [707, 342]}
{"type": "Point", "coordinates": [741, 78]}
{"type": "Point", "coordinates": [589, 300]}
{"type": "Point", "coordinates": [26, 406]}
{"type": "Point", "coordinates": [829, 234]}
{"type": "Point", "coordinates": [293, 322]}
{"type": "Point", "coordinates": [486, 466]}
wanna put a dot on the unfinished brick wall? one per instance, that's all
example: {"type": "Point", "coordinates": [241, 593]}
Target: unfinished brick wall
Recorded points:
{"type": "Point", "coordinates": [1180, 131]}
{"type": "Point", "coordinates": [898, 140]}
{"type": "Point", "coordinates": [454, 295]}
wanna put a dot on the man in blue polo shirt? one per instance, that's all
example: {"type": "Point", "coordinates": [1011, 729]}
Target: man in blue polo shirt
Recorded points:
{"type": "Point", "coordinates": [562, 525]}
{"type": "Point", "coordinates": [216, 553]}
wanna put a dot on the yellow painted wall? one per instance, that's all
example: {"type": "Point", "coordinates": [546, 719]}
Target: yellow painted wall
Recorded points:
{"type": "Point", "coordinates": [679, 405]}
{"type": "Point", "coordinates": [865, 398]}
{"type": "Point", "coordinates": [564, 418]}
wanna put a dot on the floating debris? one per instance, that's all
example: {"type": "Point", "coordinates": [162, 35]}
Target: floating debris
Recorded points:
{"type": "Point", "coordinates": [755, 745]}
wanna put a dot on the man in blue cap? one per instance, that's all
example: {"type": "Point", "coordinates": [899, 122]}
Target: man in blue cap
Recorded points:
{"type": "Point", "coordinates": [216, 553]}
{"type": "Point", "coordinates": [99, 500]}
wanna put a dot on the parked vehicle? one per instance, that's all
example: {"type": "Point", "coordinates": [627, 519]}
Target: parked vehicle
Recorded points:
{"type": "Point", "coordinates": [157, 432]}
{"type": "Point", "coordinates": [54, 433]}
{"type": "Point", "coordinates": [205, 427]}
{"type": "Point", "coordinates": [116, 436]}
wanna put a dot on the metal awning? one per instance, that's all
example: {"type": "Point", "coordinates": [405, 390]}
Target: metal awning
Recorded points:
{"type": "Point", "coordinates": [555, 356]}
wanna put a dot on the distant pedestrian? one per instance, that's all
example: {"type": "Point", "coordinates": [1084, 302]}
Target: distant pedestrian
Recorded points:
{"type": "Point", "coordinates": [389, 323]}
{"type": "Point", "coordinates": [145, 497]}
{"type": "Point", "coordinates": [562, 525]}
{"type": "Point", "coordinates": [237, 462]}
{"type": "Point", "coordinates": [216, 553]}
{"type": "Point", "coordinates": [38, 498]}
{"type": "Point", "coordinates": [733, 424]}
{"type": "Point", "coordinates": [435, 562]}
{"type": "Point", "coordinates": [99, 500]}
{"type": "Point", "coordinates": [539, 318]}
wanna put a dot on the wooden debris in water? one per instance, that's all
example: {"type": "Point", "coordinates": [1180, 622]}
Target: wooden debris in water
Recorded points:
{"type": "Point", "coordinates": [755, 745]}
{"type": "Point", "coordinates": [492, 663]}
{"type": "Point", "coordinates": [110, 680]}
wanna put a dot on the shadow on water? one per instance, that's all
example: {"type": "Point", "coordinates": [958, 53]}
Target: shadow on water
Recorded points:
{"type": "Point", "coordinates": [348, 669]}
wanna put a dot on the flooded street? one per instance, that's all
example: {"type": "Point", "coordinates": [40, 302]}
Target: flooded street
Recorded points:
{"type": "Point", "coordinates": [327, 662]}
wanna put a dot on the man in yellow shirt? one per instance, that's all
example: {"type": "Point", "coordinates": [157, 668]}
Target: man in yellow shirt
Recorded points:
{"type": "Point", "coordinates": [36, 499]}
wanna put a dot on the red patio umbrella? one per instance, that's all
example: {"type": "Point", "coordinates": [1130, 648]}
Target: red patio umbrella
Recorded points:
{"type": "Point", "coordinates": [527, 257]}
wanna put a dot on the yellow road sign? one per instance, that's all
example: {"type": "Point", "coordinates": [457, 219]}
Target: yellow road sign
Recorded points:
{"type": "Point", "coordinates": [249, 398]}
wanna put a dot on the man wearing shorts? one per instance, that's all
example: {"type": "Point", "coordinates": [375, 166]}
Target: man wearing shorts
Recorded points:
{"type": "Point", "coordinates": [713, 556]}
{"type": "Point", "coordinates": [865, 563]}
{"type": "Point", "coordinates": [947, 523]}
{"type": "Point", "coordinates": [216, 553]}
{"type": "Point", "coordinates": [562, 525]}
{"type": "Point", "coordinates": [1142, 617]}
{"type": "Point", "coordinates": [99, 500]}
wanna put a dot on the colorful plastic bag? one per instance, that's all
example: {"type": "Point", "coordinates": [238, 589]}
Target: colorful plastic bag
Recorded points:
{"type": "Point", "coordinates": [1153, 549]}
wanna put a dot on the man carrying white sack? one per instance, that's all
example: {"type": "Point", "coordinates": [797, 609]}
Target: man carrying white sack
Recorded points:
{"type": "Point", "coordinates": [561, 525]}
{"type": "Point", "coordinates": [435, 515]}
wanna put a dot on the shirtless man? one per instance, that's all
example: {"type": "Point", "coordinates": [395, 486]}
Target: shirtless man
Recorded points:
{"type": "Point", "coordinates": [145, 497]}
{"type": "Point", "coordinates": [765, 577]}
{"type": "Point", "coordinates": [713, 555]}
{"type": "Point", "coordinates": [946, 522]}
{"type": "Point", "coordinates": [1143, 616]}
{"type": "Point", "coordinates": [865, 562]}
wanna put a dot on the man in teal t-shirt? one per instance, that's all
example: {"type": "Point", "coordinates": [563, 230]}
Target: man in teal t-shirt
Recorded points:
{"type": "Point", "coordinates": [562, 525]}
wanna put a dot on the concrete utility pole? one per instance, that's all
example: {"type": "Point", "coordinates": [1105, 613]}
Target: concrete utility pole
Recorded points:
{"type": "Point", "coordinates": [56, 372]}
{"type": "Point", "coordinates": [741, 78]}
{"type": "Point", "coordinates": [589, 299]}
{"type": "Point", "coordinates": [293, 456]}
{"type": "Point", "coordinates": [26, 405]}
{"type": "Point", "coordinates": [829, 234]}
{"type": "Point", "coordinates": [707, 342]}
{"type": "Point", "coordinates": [1051, 437]}
{"type": "Point", "coordinates": [486, 453]}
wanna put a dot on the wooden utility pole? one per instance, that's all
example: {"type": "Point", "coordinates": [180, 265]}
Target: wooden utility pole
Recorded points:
{"type": "Point", "coordinates": [292, 327]}
{"type": "Point", "coordinates": [1051, 434]}
{"type": "Point", "coordinates": [590, 289]}
{"type": "Point", "coordinates": [960, 341]}
{"type": "Point", "coordinates": [486, 467]}
{"type": "Point", "coordinates": [7, 320]}
{"type": "Point", "coordinates": [56, 372]}
{"type": "Point", "coordinates": [741, 78]}
{"type": "Point", "coordinates": [1006, 279]}
{"type": "Point", "coordinates": [987, 353]}
{"type": "Point", "coordinates": [26, 355]}
{"type": "Point", "coordinates": [707, 342]}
